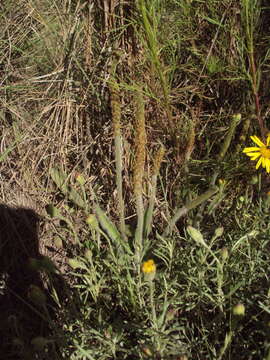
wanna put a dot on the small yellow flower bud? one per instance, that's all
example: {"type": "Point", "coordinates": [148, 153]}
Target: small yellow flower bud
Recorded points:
{"type": "Point", "coordinates": [239, 310]}
{"type": "Point", "coordinates": [149, 266]}
{"type": "Point", "coordinates": [219, 231]}
{"type": "Point", "coordinates": [221, 182]}
{"type": "Point", "coordinates": [149, 270]}
{"type": "Point", "coordinates": [237, 117]}
{"type": "Point", "coordinates": [224, 253]}
{"type": "Point", "coordinates": [88, 254]}
{"type": "Point", "coordinates": [195, 234]}
{"type": "Point", "coordinates": [92, 221]}
{"type": "Point", "coordinates": [171, 314]}
{"type": "Point", "coordinates": [76, 264]}
{"type": "Point", "coordinates": [80, 179]}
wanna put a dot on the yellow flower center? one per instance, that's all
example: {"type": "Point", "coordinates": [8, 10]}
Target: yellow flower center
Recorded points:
{"type": "Point", "coordinates": [149, 267]}
{"type": "Point", "coordinates": [265, 152]}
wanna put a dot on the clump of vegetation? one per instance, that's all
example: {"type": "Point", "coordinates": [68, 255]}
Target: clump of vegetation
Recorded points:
{"type": "Point", "coordinates": [124, 126]}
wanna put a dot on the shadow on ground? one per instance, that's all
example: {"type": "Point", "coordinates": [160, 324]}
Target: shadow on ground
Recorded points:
{"type": "Point", "coordinates": [23, 317]}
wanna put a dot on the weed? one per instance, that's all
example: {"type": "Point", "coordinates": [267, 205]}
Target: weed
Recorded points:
{"type": "Point", "coordinates": [122, 125]}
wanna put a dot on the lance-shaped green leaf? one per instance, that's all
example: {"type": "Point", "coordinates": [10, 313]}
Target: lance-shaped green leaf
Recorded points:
{"type": "Point", "coordinates": [195, 234]}
{"type": "Point", "coordinates": [60, 179]}
{"type": "Point", "coordinates": [76, 198]}
{"type": "Point", "coordinates": [109, 227]}
{"type": "Point", "coordinates": [53, 211]}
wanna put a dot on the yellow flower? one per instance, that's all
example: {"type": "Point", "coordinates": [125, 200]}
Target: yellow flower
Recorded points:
{"type": "Point", "coordinates": [149, 266]}
{"type": "Point", "coordinates": [149, 270]}
{"type": "Point", "coordinates": [80, 179]}
{"type": "Point", "coordinates": [262, 152]}
{"type": "Point", "coordinates": [221, 182]}
{"type": "Point", "coordinates": [239, 309]}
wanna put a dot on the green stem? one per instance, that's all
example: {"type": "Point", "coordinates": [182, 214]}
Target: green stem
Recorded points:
{"type": "Point", "coordinates": [139, 230]}
{"type": "Point", "coordinates": [234, 122]}
{"type": "Point", "coordinates": [227, 342]}
{"type": "Point", "coordinates": [149, 213]}
{"type": "Point", "coordinates": [153, 308]}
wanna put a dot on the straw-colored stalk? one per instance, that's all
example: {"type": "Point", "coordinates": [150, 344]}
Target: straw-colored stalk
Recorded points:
{"type": "Point", "coordinates": [190, 144]}
{"type": "Point", "coordinates": [116, 118]}
{"type": "Point", "coordinates": [140, 144]}
{"type": "Point", "coordinates": [88, 37]}
{"type": "Point", "coordinates": [155, 171]}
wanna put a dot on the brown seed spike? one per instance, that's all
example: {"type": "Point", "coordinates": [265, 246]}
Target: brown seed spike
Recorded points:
{"type": "Point", "coordinates": [140, 143]}
{"type": "Point", "coordinates": [158, 160]}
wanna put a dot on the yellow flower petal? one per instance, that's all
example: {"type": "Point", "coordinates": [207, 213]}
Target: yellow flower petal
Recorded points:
{"type": "Point", "coordinates": [267, 165]}
{"type": "Point", "coordinates": [149, 266]}
{"type": "Point", "coordinates": [257, 140]}
{"type": "Point", "coordinates": [259, 163]}
{"type": "Point", "coordinates": [248, 149]}
{"type": "Point", "coordinates": [261, 153]}
{"type": "Point", "coordinates": [254, 156]}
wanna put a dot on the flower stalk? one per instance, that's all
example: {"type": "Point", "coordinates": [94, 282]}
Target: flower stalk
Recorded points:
{"type": "Point", "coordinates": [149, 213]}
{"type": "Point", "coordinates": [116, 118]}
{"type": "Point", "coordinates": [140, 143]}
